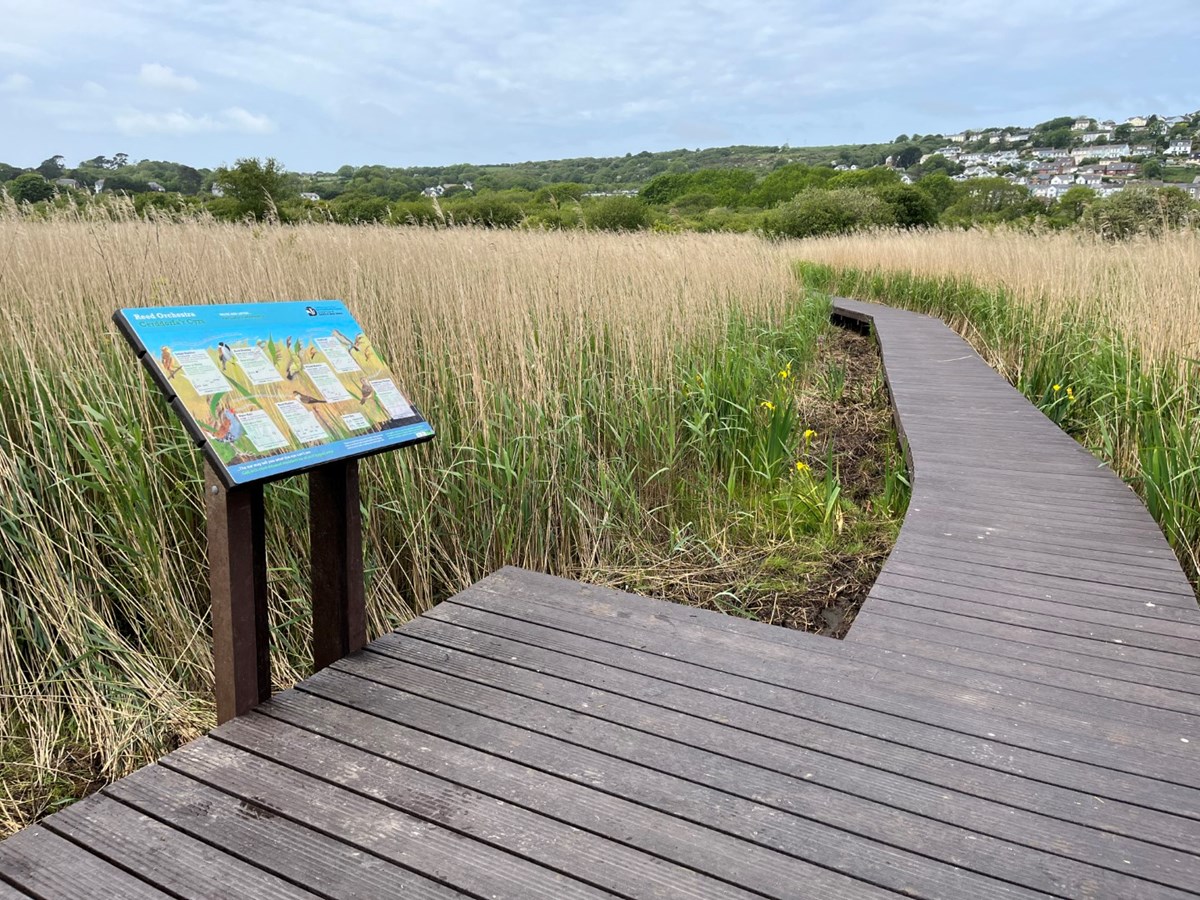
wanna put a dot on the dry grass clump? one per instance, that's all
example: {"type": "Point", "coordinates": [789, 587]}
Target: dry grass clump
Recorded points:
{"type": "Point", "coordinates": [1147, 289]}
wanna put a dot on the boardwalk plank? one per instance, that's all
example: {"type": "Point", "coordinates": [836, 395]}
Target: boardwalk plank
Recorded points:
{"type": "Point", "coordinates": [46, 865]}
{"type": "Point", "coordinates": [818, 723]}
{"type": "Point", "coordinates": [546, 841]}
{"type": "Point", "coordinates": [1037, 704]}
{"type": "Point", "coordinates": [593, 807]}
{"type": "Point", "coordinates": [585, 800]}
{"type": "Point", "coordinates": [244, 828]}
{"type": "Point", "coordinates": [875, 624]}
{"type": "Point", "coordinates": [1148, 616]}
{"type": "Point", "coordinates": [1107, 652]}
{"type": "Point", "coordinates": [794, 835]}
{"type": "Point", "coordinates": [636, 738]}
{"type": "Point", "coordinates": [167, 858]}
{"type": "Point", "coordinates": [373, 827]}
{"type": "Point", "coordinates": [1038, 616]}
{"type": "Point", "coordinates": [772, 665]}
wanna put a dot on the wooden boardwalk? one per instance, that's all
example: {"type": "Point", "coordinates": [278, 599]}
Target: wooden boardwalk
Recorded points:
{"type": "Point", "coordinates": [1014, 715]}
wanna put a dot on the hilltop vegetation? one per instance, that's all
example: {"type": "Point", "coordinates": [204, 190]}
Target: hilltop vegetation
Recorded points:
{"type": "Point", "coordinates": [1117, 180]}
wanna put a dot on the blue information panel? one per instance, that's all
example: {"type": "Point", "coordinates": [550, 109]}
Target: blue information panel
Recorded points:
{"type": "Point", "coordinates": [270, 389]}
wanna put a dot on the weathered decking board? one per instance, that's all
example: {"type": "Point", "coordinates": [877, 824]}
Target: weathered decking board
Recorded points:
{"type": "Point", "coordinates": [1015, 715]}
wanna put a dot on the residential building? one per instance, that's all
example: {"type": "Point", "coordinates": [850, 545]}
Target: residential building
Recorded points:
{"type": "Point", "coordinates": [1118, 169]}
{"type": "Point", "coordinates": [1083, 123]}
{"type": "Point", "coordinates": [309, 195]}
{"type": "Point", "coordinates": [1182, 147]}
{"type": "Point", "coordinates": [1104, 151]}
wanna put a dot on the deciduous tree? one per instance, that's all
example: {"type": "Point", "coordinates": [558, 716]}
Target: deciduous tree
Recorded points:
{"type": "Point", "coordinates": [258, 187]}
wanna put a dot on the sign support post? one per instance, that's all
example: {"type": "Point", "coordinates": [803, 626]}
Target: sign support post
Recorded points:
{"type": "Point", "coordinates": [237, 574]}
{"type": "Point", "coordinates": [336, 560]}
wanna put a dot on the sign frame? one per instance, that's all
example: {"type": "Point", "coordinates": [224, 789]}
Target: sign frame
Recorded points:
{"type": "Point", "coordinates": [216, 341]}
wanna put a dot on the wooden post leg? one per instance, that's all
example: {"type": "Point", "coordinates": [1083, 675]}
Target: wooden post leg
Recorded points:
{"type": "Point", "coordinates": [335, 534]}
{"type": "Point", "coordinates": [237, 573]}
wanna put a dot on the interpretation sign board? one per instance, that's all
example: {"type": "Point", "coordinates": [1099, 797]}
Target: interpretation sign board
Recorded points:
{"type": "Point", "coordinates": [270, 389]}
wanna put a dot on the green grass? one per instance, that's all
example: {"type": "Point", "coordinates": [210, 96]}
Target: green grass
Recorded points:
{"type": "Point", "coordinates": [1141, 416]}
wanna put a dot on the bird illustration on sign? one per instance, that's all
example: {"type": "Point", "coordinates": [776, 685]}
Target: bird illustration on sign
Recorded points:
{"type": "Point", "coordinates": [169, 363]}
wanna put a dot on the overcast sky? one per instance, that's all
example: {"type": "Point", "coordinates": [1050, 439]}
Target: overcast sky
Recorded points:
{"type": "Point", "coordinates": [321, 83]}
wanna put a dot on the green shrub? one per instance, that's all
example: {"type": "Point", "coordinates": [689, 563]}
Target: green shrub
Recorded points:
{"type": "Point", "coordinates": [414, 212]}
{"type": "Point", "coordinates": [911, 207]}
{"type": "Point", "coordinates": [1139, 210]}
{"type": "Point", "coordinates": [30, 188]}
{"type": "Point", "coordinates": [617, 214]}
{"type": "Point", "coordinates": [486, 211]}
{"type": "Point", "coordinates": [356, 208]}
{"type": "Point", "coordinates": [816, 211]}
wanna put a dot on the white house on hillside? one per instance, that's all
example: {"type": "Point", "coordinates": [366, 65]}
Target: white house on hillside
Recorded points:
{"type": "Point", "coordinates": [1182, 147]}
{"type": "Point", "coordinates": [1105, 151]}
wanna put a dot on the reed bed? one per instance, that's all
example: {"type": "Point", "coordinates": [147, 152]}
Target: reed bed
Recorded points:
{"type": "Point", "coordinates": [595, 395]}
{"type": "Point", "coordinates": [1147, 290]}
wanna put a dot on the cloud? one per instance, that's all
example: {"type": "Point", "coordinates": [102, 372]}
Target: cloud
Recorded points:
{"type": "Point", "coordinates": [15, 83]}
{"type": "Point", "coordinates": [92, 89]}
{"type": "Point", "coordinates": [539, 79]}
{"type": "Point", "coordinates": [137, 123]}
{"type": "Point", "coordinates": [247, 122]}
{"type": "Point", "coordinates": [158, 76]}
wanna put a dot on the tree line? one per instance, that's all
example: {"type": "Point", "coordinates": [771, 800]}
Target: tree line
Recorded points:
{"type": "Point", "coordinates": [792, 200]}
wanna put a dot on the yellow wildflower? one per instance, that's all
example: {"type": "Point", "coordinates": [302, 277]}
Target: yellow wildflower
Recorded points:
{"type": "Point", "coordinates": [767, 404]}
{"type": "Point", "coordinates": [801, 466]}
{"type": "Point", "coordinates": [786, 373]}
{"type": "Point", "coordinates": [809, 434]}
{"type": "Point", "coordinates": [1070, 395]}
{"type": "Point", "coordinates": [1057, 388]}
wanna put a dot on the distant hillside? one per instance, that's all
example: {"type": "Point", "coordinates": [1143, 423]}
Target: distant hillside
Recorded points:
{"type": "Point", "coordinates": [630, 170]}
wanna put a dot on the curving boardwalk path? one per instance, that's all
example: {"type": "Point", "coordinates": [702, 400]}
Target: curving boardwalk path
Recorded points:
{"type": "Point", "coordinates": [1014, 715]}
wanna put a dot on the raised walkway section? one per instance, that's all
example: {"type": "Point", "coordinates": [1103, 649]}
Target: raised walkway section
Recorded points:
{"type": "Point", "coordinates": [1014, 715]}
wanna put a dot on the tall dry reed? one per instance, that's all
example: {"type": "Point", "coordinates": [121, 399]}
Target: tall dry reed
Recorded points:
{"type": "Point", "coordinates": [1148, 290]}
